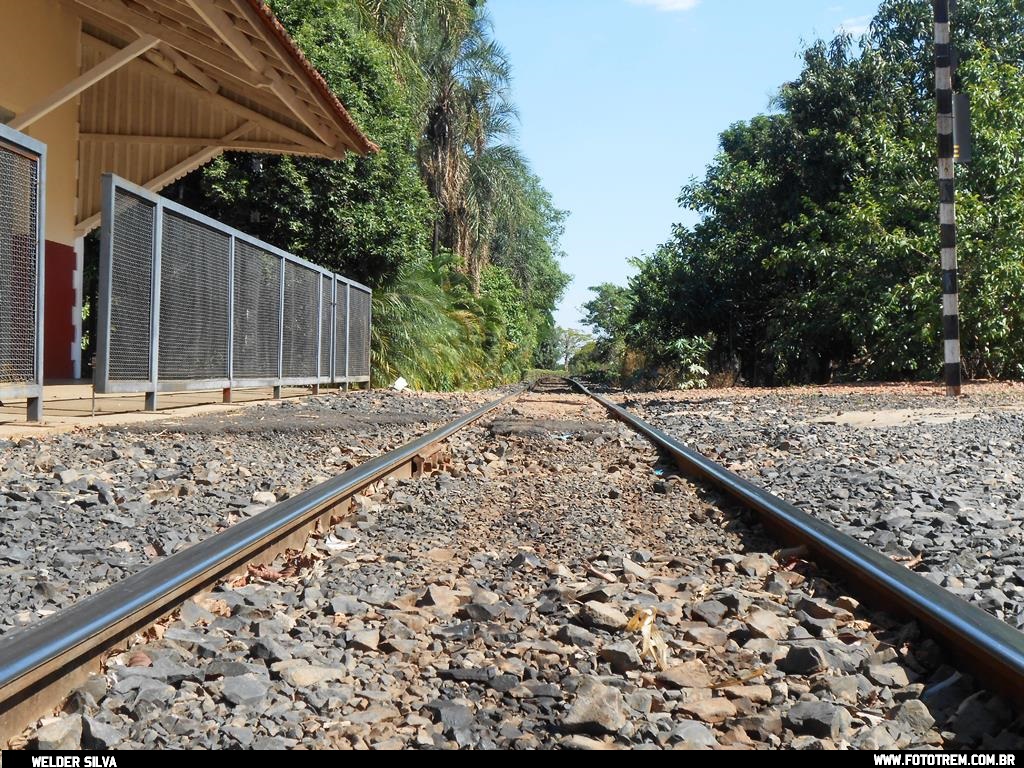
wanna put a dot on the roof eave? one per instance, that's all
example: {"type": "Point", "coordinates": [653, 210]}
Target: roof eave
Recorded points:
{"type": "Point", "coordinates": [353, 137]}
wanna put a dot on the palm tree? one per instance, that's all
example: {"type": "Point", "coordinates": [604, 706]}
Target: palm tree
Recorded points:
{"type": "Point", "coordinates": [461, 77]}
{"type": "Point", "coordinates": [466, 160]}
{"type": "Point", "coordinates": [409, 26]}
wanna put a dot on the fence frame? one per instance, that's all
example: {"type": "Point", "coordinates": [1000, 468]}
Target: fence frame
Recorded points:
{"type": "Point", "coordinates": [35, 150]}
{"type": "Point", "coordinates": [102, 382]}
{"type": "Point", "coordinates": [348, 332]}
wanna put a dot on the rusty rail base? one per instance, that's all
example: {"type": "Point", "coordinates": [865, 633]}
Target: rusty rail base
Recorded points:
{"type": "Point", "coordinates": [990, 648]}
{"type": "Point", "coordinates": [42, 664]}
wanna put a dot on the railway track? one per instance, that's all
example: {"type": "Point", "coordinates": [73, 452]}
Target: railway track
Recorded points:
{"type": "Point", "coordinates": [483, 596]}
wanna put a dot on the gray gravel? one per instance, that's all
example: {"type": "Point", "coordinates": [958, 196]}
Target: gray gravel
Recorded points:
{"type": "Point", "coordinates": [82, 510]}
{"type": "Point", "coordinates": [944, 497]}
{"type": "Point", "coordinates": [487, 606]}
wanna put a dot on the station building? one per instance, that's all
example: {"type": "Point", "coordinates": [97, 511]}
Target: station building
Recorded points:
{"type": "Point", "coordinates": [149, 90]}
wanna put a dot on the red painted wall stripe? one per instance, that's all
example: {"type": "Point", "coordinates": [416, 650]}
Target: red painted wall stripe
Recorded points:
{"type": "Point", "coordinates": [58, 330]}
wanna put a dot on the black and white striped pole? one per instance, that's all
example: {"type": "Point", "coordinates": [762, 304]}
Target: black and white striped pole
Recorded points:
{"type": "Point", "coordinates": [947, 197]}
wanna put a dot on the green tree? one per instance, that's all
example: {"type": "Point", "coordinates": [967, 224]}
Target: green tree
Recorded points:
{"type": "Point", "coordinates": [608, 312]}
{"type": "Point", "coordinates": [816, 254]}
{"type": "Point", "coordinates": [569, 342]}
{"type": "Point", "coordinates": [608, 315]}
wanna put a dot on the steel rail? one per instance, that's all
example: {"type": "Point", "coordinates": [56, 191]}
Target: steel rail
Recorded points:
{"type": "Point", "coordinates": [989, 647]}
{"type": "Point", "coordinates": [39, 664]}
{"type": "Point", "coordinates": [49, 651]}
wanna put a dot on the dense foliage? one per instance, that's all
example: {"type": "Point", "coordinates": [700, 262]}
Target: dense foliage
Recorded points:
{"type": "Point", "coordinates": [816, 254]}
{"type": "Point", "coordinates": [447, 223]}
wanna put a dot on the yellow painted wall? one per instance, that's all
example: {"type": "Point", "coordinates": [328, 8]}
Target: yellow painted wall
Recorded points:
{"type": "Point", "coordinates": [39, 53]}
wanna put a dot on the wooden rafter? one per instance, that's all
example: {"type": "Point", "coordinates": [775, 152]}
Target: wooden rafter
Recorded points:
{"type": "Point", "coordinates": [190, 163]}
{"type": "Point", "coordinates": [159, 59]}
{"type": "Point", "coordinates": [222, 24]}
{"type": "Point", "coordinates": [184, 22]}
{"type": "Point", "coordinates": [174, 11]}
{"type": "Point", "coordinates": [192, 69]}
{"type": "Point", "coordinates": [244, 10]}
{"type": "Point", "coordinates": [185, 43]}
{"type": "Point", "coordinates": [189, 70]}
{"type": "Point", "coordinates": [225, 28]}
{"type": "Point", "coordinates": [284, 131]}
{"type": "Point", "coordinates": [85, 80]}
{"type": "Point", "coordinates": [197, 159]}
{"type": "Point", "coordinates": [243, 145]}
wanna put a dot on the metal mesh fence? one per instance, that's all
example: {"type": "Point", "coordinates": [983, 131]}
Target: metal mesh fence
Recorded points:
{"type": "Point", "coordinates": [194, 300]}
{"type": "Point", "coordinates": [359, 333]}
{"type": "Point", "coordinates": [340, 330]}
{"type": "Point", "coordinates": [301, 308]}
{"type": "Point", "coordinates": [19, 255]}
{"type": "Point", "coordinates": [230, 310]}
{"type": "Point", "coordinates": [257, 312]}
{"type": "Point", "coordinates": [131, 287]}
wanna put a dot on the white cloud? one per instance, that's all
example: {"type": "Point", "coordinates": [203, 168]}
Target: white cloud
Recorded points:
{"type": "Point", "coordinates": [668, 6]}
{"type": "Point", "coordinates": [856, 26]}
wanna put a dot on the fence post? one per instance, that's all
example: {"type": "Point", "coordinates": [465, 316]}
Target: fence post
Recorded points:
{"type": "Point", "coordinates": [231, 320]}
{"type": "Point", "coordinates": [332, 329]}
{"type": "Point", "coordinates": [369, 340]}
{"type": "Point", "coordinates": [348, 332]}
{"type": "Point", "coordinates": [154, 334]}
{"type": "Point", "coordinates": [34, 406]}
{"type": "Point", "coordinates": [101, 361]}
{"type": "Point", "coordinates": [319, 329]}
{"type": "Point", "coordinates": [280, 334]}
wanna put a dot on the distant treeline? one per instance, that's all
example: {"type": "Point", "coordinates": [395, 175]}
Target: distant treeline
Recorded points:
{"type": "Point", "coordinates": [447, 223]}
{"type": "Point", "coordinates": [816, 256]}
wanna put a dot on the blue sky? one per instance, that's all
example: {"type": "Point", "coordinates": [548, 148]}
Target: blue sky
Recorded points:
{"type": "Point", "coordinates": [621, 103]}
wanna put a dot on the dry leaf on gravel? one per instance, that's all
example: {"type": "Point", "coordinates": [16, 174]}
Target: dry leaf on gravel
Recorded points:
{"type": "Point", "coordinates": [652, 644]}
{"type": "Point", "coordinates": [265, 572]}
{"type": "Point", "coordinates": [741, 679]}
{"type": "Point", "coordinates": [601, 574]}
{"type": "Point", "coordinates": [797, 565]}
{"type": "Point", "coordinates": [20, 741]}
{"type": "Point", "coordinates": [333, 544]}
{"type": "Point", "coordinates": [910, 562]}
